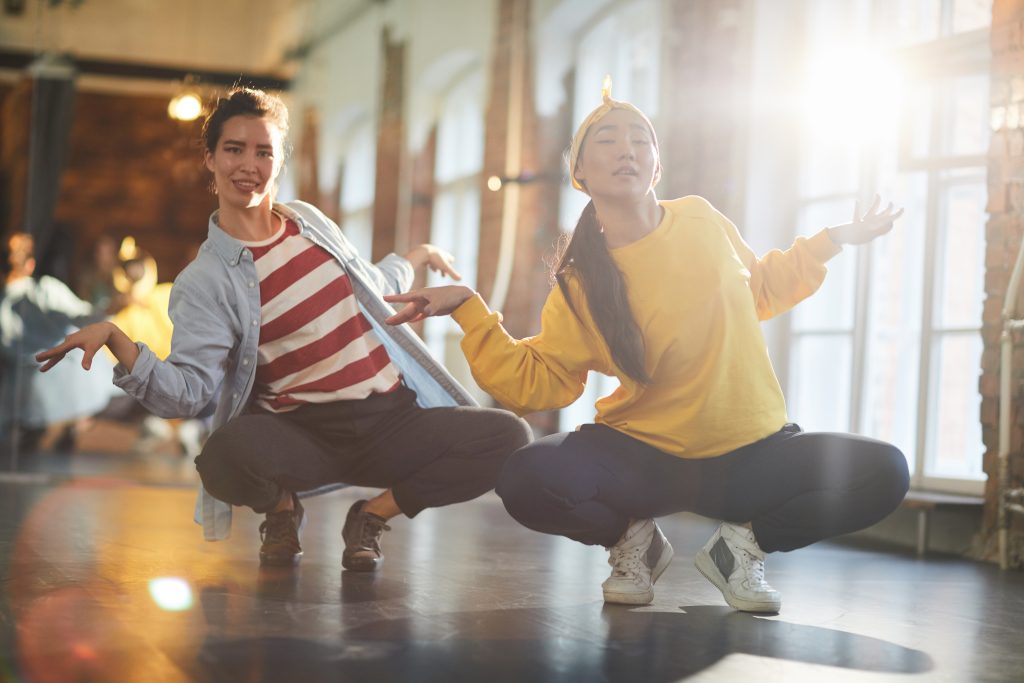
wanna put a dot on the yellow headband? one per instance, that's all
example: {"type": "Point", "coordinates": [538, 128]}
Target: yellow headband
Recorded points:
{"type": "Point", "coordinates": [593, 117]}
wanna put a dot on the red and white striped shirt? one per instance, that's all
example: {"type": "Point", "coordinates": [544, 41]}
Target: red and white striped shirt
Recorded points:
{"type": "Point", "coordinates": [315, 345]}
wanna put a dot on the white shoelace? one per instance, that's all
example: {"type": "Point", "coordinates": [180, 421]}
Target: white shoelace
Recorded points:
{"type": "Point", "coordinates": [624, 561]}
{"type": "Point", "coordinates": [627, 563]}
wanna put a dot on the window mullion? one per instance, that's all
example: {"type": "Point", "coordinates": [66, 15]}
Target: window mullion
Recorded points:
{"type": "Point", "coordinates": [925, 402]}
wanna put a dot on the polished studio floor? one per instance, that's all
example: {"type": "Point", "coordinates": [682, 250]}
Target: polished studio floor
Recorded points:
{"type": "Point", "coordinates": [105, 578]}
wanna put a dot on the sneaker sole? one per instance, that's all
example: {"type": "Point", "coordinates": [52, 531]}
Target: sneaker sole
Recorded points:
{"type": "Point", "coordinates": [646, 598]}
{"type": "Point", "coordinates": [706, 566]}
{"type": "Point", "coordinates": [281, 561]}
{"type": "Point", "coordinates": [360, 565]}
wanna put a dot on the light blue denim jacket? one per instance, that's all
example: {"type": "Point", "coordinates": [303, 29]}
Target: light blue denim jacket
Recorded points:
{"type": "Point", "coordinates": [215, 308]}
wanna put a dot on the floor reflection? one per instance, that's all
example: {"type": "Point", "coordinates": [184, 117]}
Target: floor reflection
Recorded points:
{"type": "Point", "coordinates": [104, 580]}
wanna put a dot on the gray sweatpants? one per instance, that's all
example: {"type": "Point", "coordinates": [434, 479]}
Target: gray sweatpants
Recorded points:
{"type": "Point", "coordinates": [429, 457]}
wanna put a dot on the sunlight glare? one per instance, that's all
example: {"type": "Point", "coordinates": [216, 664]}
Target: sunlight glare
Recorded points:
{"type": "Point", "coordinates": [851, 93]}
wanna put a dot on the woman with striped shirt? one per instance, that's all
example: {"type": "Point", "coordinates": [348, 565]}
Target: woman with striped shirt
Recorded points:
{"type": "Point", "coordinates": [279, 322]}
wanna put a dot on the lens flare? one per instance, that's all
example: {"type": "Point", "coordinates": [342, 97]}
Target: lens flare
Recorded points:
{"type": "Point", "coordinates": [171, 594]}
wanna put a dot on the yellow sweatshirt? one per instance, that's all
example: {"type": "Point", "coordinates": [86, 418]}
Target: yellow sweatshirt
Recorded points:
{"type": "Point", "coordinates": [698, 293]}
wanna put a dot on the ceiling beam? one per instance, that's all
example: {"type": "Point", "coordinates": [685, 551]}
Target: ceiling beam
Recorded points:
{"type": "Point", "coordinates": [21, 59]}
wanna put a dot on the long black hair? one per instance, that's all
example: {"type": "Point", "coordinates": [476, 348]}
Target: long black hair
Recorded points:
{"type": "Point", "coordinates": [586, 257]}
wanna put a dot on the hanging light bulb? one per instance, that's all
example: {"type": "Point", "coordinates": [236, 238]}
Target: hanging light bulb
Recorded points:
{"type": "Point", "coordinates": [187, 105]}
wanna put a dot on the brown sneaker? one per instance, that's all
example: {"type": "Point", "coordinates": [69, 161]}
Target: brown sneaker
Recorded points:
{"type": "Point", "coordinates": [280, 535]}
{"type": "Point", "coordinates": [361, 535]}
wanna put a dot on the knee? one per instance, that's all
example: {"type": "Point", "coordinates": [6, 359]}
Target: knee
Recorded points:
{"type": "Point", "coordinates": [216, 462]}
{"type": "Point", "coordinates": [892, 474]}
{"type": "Point", "coordinates": [519, 481]}
{"type": "Point", "coordinates": [514, 432]}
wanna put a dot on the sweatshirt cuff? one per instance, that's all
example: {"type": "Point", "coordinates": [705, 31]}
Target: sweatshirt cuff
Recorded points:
{"type": "Point", "coordinates": [472, 312]}
{"type": "Point", "coordinates": [821, 246]}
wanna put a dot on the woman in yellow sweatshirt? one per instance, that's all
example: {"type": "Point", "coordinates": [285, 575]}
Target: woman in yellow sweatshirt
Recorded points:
{"type": "Point", "coordinates": [667, 297]}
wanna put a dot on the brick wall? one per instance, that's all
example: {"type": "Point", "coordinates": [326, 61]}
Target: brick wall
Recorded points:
{"type": "Point", "coordinates": [15, 108]}
{"type": "Point", "coordinates": [131, 170]}
{"type": "Point", "coordinates": [702, 121]}
{"type": "Point", "coordinates": [536, 223]}
{"type": "Point", "coordinates": [1003, 237]}
{"type": "Point", "coordinates": [421, 205]}
{"type": "Point", "coordinates": [390, 140]}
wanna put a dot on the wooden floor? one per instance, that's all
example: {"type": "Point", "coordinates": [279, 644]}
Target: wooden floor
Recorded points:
{"type": "Point", "coordinates": [105, 578]}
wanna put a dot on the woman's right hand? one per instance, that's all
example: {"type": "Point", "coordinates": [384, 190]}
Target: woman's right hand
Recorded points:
{"type": "Point", "coordinates": [90, 339]}
{"type": "Point", "coordinates": [426, 302]}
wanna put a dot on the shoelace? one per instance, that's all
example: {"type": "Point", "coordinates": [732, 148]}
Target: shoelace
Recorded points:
{"type": "Point", "coordinates": [372, 531]}
{"type": "Point", "coordinates": [278, 527]}
{"type": "Point", "coordinates": [755, 569]}
{"type": "Point", "coordinates": [626, 562]}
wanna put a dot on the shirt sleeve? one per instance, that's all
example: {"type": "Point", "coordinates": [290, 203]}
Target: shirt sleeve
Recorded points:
{"type": "Point", "coordinates": [781, 279]}
{"type": "Point", "coordinates": [184, 383]}
{"type": "Point", "coordinates": [543, 372]}
{"type": "Point", "coordinates": [393, 273]}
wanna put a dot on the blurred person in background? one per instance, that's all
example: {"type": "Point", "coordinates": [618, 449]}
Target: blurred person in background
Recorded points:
{"type": "Point", "coordinates": [36, 313]}
{"type": "Point", "coordinates": [95, 283]}
{"type": "Point", "coordinates": [140, 309]}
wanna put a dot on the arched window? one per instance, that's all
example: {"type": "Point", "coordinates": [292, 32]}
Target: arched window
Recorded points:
{"type": "Point", "coordinates": [358, 185]}
{"type": "Point", "coordinates": [455, 224]}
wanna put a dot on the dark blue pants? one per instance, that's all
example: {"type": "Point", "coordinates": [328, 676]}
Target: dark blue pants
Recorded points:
{"type": "Point", "coordinates": [795, 487]}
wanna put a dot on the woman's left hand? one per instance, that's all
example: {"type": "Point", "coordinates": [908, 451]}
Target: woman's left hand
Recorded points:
{"type": "Point", "coordinates": [435, 258]}
{"type": "Point", "coordinates": [864, 228]}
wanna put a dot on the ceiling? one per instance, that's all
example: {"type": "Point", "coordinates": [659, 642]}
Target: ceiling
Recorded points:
{"type": "Point", "coordinates": [224, 36]}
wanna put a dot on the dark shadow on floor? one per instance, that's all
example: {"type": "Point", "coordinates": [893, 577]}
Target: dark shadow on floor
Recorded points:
{"type": "Point", "coordinates": [585, 643]}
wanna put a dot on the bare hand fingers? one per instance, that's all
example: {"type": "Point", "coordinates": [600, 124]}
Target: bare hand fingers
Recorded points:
{"type": "Point", "coordinates": [54, 359]}
{"type": "Point", "coordinates": [87, 357]}
{"type": "Point", "coordinates": [442, 263]}
{"type": "Point", "coordinates": [405, 298]}
{"type": "Point", "coordinates": [874, 206]}
{"type": "Point", "coordinates": [49, 353]}
{"type": "Point", "coordinates": [410, 313]}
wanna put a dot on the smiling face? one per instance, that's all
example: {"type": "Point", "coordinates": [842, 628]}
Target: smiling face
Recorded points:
{"type": "Point", "coordinates": [618, 157]}
{"type": "Point", "coordinates": [246, 160]}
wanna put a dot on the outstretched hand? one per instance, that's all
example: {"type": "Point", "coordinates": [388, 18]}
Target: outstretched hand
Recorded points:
{"type": "Point", "coordinates": [427, 302]}
{"type": "Point", "coordinates": [435, 258]}
{"type": "Point", "coordinates": [867, 226]}
{"type": "Point", "coordinates": [90, 339]}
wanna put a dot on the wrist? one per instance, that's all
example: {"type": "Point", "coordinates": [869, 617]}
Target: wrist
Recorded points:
{"type": "Point", "coordinates": [831, 232]}
{"type": "Point", "coordinates": [418, 255]}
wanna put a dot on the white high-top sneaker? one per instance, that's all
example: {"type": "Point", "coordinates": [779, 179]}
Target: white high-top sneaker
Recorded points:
{"type": "Point", "coordinates": [734, 562]}
{"type": "Point", "coordinates": [637, 560]}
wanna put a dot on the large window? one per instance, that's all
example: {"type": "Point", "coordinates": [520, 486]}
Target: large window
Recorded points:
{"type": "Point", "coordinates": [622, 43]}
{"type": "Point", "coordinates": [358, 186]}
{"type": "Point", "coordinates": [891, 345]}
{"type": "Point", "coordinates": [455, 223]}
